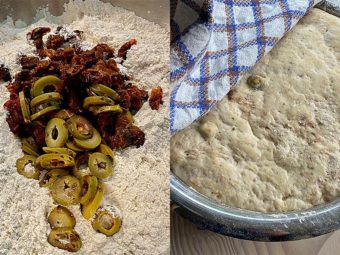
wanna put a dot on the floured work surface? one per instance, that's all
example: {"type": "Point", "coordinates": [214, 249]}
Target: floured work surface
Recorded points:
{"type": "Point", "coordinates": [276, 148]}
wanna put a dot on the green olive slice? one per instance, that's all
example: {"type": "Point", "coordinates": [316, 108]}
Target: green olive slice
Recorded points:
{"type": "Point", "coordinates": [89, 186]}
{"type": "Point", "coordinates": [65, 190]}
{"type": "Point", "coordinates": [61, 217]}
{"type": "Point", "coordinates": [24, 107]}
{"type": "Point", "coordinates": [49, 177]}
{"type": "Point", "coordinates": [90, 208]}
{"type": "Point", "coordinates": [81, 168]}
{"type": "Point", "coordinates": [45, 82]}
{"type": "Point", "coordinates": [129, 116]}
{"type": "Point", "coordinates": [30, 142]}
{"type": "Point", "coordinates": [44, 98]}
{"type": "Point", "coordinates": [60, 151]}
{"type": "Point", "coordinates": [106, 150]}
{"type": "Point", "coordinates": [29, 151]}
{"type": "Point", "coordinates": [44, 111]}
{"type": "Point", "coordinates": [80, 127]}
{"type": "Point", "coordinates": [30, 147]}
{"type": "Point", "coordinates": [100, 165]}
{"type": "Point", "coordinates": [255, 81]}
{"type": "Point", "coordinates": [65, 239]}
{"type": "Point", "coordinates": [56, 134]}
{"type": "Point", "coordinates": [71, 145]}
{"type": "Point", "coordinates": [89, 144]}
{"type": "Point", "coordinates": [97, 100]}
{"type": "Point", "coordinates": [26, 167]}
{"type": "Point", "coordinates": [63, 114]}
{"type": "Point", "coordinates": [109, 108]}
{"type": "Point", "coordinates": [105, 223]}
{"type": "Point", "coordinates": [102, 90]}
{"type": "Point", "coordinates": [55, 160]}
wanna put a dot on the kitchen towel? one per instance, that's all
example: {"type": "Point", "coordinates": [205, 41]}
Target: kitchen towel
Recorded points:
{"type": "Point", "coordinates": [215, 42]}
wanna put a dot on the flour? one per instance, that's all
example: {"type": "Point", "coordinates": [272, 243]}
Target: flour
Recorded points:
{"type": "Point", "coordinates": [139, 185]}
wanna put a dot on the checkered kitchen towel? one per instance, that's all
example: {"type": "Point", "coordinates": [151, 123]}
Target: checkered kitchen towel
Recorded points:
{"type": "Point", "coordinates": [214, 42]}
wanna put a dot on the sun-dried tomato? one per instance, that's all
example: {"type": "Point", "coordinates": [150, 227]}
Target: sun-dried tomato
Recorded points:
{"type": "Point", "coordinates": [38, 32]}
{"type": "Point", "coordinates": [125, 99]}
{"type": "Point", "coordinates": [14, 117]}
{"type": "Point", "coordinates": [28, 62]}
{"type": "Point", "coordinates": [54, 41]}
{"type": "Point", "coordinates": [39, 134]}
{"type": "Point", "coordinates": [122, 52]}
{"type": "Point", "coordinates": [156, 98]}
{"type": "Point", "coordinates": [136, 99]}
{"type": "Point", "coordinates": [5, 75]}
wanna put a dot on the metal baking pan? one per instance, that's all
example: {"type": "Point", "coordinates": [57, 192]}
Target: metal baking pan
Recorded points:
{"type": "Point", "coordinates": [250, 225]}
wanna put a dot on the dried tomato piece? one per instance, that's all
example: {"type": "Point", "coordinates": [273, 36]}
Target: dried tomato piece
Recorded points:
{"type": "Point", "coordinates": [39, 134]}
{"type": "Point", "coordinates": [122, 52]}
{"type": "Point", "coordinates": [156, 98]}
{"type": "Point", "coordinates": [99, 73]}
{"type": "Point", "coordinates": [29, 62]}
{"type": "Point", "coordinates": [136, 99]}
{"type": "Point", "coordinates": [14, 117]}
{"type": "Point", "coordinates": [125, 99]}
{"type": "Point", "coordinates": [5, 75]}
{"type": "Point", "coordinates": [38, 33]}
{"type": "Point", "coordinates": [54, 41]}
{"type": "Point", "coordinates": [103, 51]}
{"type": "Point", "coordinates": [74, 102]}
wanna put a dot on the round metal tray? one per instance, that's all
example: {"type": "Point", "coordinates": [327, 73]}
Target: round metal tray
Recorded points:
{"type": "Point", "coordinates": [207, 214]}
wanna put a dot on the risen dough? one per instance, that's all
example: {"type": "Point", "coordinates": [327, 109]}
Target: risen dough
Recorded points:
{"type": "Point", "coordinates": [276, 148]}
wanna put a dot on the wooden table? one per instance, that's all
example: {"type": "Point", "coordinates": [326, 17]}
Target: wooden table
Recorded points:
{"type": "Point", "coordinates": [186, 239]}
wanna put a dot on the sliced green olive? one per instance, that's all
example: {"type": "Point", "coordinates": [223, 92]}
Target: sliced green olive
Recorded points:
{"type": "Point", "coordinates": [65, 190]}
{"type": "Point", "coordinates": [60, 151]}
{"type": "Point", "coordinates": [56, 134]}
{"type": "Point", "coordinates": [46, 82]}
{"type": "Point", "coordinates": [24, 107]}
{"type": "Point", "coordinates": [97, 100]}
{"type": "Point", "coordinates": [106, 150]}
{"type": "Point", "coordinates": [45, 111]}
{"type": "Point", "coordinates": [80, 127]}
{"type": "Point", "coordinates": [55, 160]}
{"type": "Point", "coordinates": [100, 165]}
{"type": "Point", "coordinates": [129, 116]}
{"type": "Point", "coordinates": [30, 147]}
{"type": "Point", "coordinates": [63, 114]}
{"type": "Point", "coordinates": [29, 151]}
{"type": "Point", "coordinates": [48, 179]}
{"type": "Point", "coordinates": [65, 239]}
{"type": "Point", "coordinates": [81, 167]}
{"type": "Point", "coordinates": [46, 97]}
{"type": "Point", "coordinates": [71, 145]}
{"type": "Point", "coordinates": [102, 90]}
{"type": "Point", "coordinates": [105, 223]}
{"type": "Point", "coordinates": [109, 108]}
{"type": "Point", "coordinates": [89, 144]}
{"type": "Point", "coordinates": [90, 209]}
{"type": "Point", "coordinates": [61, 217]}
{"type": "Point", "coordinates": [26, 167]}
{"type": "Point", "coordinates": [255, 81]}
{"type": "Point", "coordinates": [89, 185]}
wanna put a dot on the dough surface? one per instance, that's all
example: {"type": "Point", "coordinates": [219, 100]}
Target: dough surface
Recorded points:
{"type": "Point", "coordinates": [277, 148]}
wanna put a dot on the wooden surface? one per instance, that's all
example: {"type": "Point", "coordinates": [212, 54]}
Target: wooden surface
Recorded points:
{"type": "Point", "coordinates": [186, 239]}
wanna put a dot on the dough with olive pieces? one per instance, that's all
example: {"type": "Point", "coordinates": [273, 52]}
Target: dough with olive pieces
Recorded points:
{"type": "Point", "coordinates": [276, 147]}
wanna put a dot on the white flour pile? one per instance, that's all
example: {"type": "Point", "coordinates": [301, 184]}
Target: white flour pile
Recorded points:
{"type": "Point", "coordinates": [139, 186]}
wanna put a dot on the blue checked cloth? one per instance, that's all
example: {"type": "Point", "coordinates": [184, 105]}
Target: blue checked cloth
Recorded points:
{"type": "Point", "coordinates": [214, 42]}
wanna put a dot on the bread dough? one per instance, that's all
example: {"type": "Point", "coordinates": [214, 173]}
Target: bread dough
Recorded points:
{"type": "Point", "coordinates": [276, 148]}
